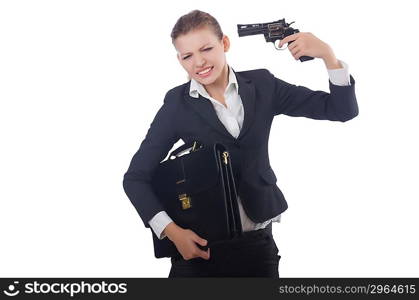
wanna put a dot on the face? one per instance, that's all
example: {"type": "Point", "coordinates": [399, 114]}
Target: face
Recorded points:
{"type": "Point", "coordinates": [200, 49]}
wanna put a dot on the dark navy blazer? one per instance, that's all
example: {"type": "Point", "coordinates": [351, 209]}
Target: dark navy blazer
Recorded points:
{"type": "Point", "coordinates": [264, 96]}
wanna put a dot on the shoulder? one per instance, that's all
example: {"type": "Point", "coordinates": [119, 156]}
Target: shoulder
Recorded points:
{"type": "Point", "coordinates": [253, 74]}
{"type": "Point", "coordinates": [175, 94]}
{"type": "Point", "coordinates": [258, 76]}
{"type": "Point", "coordinates": [262, 78]}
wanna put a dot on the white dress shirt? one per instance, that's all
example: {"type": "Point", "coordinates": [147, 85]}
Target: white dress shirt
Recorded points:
{"type": "Point", "coordinates": [232, 118]}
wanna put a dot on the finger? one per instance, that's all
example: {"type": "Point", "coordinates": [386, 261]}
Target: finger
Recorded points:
{"type": "Point", "coordinates": [293, 45]}
{"type": "Point", "coordinates": [282, 42]}
{"type": "Point", "coordinates": [298, 54]}
{"type": "Point", "coordinates": [203, 254]}
{"type": "Point", "coordinates": [201, 241]}
{"type": "Point", "coordinates": [295, 50]}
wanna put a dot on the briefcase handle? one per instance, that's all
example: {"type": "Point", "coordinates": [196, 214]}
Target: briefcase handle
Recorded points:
{"type": "Point", "coordinates": [193, 145]}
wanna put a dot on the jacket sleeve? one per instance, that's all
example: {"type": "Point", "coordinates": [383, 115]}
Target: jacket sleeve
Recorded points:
{"type": "Point", "coordinates": [160, 138]}
{"type": "Point", "coordinates": [298, 101]}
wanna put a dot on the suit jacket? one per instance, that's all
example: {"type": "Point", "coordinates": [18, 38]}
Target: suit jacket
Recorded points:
{"type": "Point", "coordinates": [264, 96]}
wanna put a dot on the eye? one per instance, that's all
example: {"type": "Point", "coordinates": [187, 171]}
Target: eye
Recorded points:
{"type": "Point", "coordinates": [206, 49]}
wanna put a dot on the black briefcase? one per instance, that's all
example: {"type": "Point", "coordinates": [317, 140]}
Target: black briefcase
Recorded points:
{"type": "Point", "coordinates": [198, 192]}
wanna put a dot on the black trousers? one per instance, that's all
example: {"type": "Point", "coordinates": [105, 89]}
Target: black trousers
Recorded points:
{"type": "Point", "coordinates": [253, 255]}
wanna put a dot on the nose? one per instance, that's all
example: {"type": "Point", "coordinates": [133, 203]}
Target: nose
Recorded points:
{"type": "Point", "coordinates": [199, 61]}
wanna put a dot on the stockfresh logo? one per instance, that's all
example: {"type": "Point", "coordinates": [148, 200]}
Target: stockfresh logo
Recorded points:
{"type": "Point", "coordinates": [12, 289]}
{"type": "Point", "coordinates": [71, 288]}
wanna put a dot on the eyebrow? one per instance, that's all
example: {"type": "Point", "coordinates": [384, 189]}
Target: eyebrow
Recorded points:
{"type": "Point", "coordinates": [199, 49]}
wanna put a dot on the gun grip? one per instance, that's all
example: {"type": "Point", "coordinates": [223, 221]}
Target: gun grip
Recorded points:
{"type": "Point", "coordinates": [305, 58]}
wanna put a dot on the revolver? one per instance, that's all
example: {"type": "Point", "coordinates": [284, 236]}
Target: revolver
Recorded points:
{"type": "Point", "coordinates": [272, 31]}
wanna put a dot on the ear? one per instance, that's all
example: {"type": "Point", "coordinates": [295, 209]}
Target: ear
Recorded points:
{"type": "Point", "coordinates": [226, 43]}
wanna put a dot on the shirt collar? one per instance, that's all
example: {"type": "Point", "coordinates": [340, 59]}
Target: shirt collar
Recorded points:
{"type": "Point", "coordinates": [197, 88]}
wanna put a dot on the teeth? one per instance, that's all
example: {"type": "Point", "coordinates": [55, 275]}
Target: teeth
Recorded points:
{"type": "Point", "coordinates": [205, 71]}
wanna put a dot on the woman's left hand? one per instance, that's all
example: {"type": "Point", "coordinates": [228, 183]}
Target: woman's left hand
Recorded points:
{"type": "Point", "coordinates": [306, 44]}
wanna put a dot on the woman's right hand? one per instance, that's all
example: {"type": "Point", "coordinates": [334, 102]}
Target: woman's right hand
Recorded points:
{"type": "Point", "coordinates": [185, 241]}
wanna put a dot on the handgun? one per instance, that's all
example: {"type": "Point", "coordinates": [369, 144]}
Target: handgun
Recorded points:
{"type": "Point", "coordinates": [272, 31]}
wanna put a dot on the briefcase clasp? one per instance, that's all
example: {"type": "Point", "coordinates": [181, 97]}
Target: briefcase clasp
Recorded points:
{"type": "Point", "coordinates": [186, 201]}
{"type": "Point", "coordinates": [225, 156]}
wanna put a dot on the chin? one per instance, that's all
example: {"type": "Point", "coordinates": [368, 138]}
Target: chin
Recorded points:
{"type": "Point", "coordinates": [206, 80]}
{"type": "Point", "coordinates": [200, 80]}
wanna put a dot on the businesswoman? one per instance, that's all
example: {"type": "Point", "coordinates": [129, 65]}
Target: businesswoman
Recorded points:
{"type": "Point", "coordinates": [236, 109]}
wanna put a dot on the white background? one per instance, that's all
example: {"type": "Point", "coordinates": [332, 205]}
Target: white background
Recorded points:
{"type": "Point", "coordinates": [81, 81]}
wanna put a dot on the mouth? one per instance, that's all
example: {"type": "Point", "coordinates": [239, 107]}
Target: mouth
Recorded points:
{"type": "Point", "coordinates": [205, 73]}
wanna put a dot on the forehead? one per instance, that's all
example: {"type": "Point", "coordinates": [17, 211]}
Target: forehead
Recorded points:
{"type": "Point", "coordinates": [194, 40]}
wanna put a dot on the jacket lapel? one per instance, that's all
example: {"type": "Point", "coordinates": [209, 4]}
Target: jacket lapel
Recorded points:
{"type": "Point", "coordinates": [205, 109]}
{"type": "Point", "coordinates": [247, 94]}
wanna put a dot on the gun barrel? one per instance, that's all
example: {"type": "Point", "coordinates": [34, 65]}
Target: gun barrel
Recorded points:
{"type": "Point", "coordinates": [250, 29]}
{"type": "Point", "coordinates": [261, 28]}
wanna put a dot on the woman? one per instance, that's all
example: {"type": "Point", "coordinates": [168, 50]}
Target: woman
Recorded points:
{"type": "Point", "coordinates": [235, 108]}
